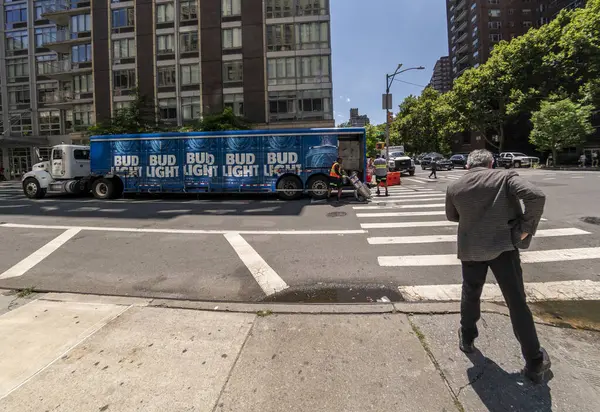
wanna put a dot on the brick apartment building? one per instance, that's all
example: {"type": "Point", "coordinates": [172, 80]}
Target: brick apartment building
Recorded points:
{"type": "Point", "coordinates": [441, 80]}
{"type": "Point", "coordinates": [67, 64]}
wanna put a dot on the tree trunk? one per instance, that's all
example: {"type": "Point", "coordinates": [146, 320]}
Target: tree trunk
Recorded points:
{"type": "Point", "coordinates": [554, 156]}
{"type": "Point", "coordinates": [501, 138]}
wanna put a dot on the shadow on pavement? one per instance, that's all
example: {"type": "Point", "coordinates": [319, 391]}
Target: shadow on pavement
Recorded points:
{"type": "Point", "coordinates": [502, 391]}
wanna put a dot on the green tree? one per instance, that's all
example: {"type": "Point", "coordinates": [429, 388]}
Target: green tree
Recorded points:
{"type": "Point", "coordinates": [375, 133]}
{"type": "Point", "coordinates": [226, 120]}
{"type": "Point", "coordinates": [139, 117]}
{"type": "Point", "coordinates": [560, 124]}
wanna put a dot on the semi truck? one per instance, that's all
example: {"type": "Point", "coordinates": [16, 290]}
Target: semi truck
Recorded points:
{"type": "Point", "coordinates": [288, 162]}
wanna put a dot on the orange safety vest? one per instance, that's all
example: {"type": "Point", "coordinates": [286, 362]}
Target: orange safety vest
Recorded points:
{"type": "Point", "coordinates": [332, 172]}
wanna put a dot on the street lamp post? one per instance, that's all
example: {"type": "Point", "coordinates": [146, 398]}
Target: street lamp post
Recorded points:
{"type": "Point", "coordinates": [387, 100]}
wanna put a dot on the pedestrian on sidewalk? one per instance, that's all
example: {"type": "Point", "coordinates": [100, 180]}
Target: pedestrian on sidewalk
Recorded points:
{"type": "Point", "coordinates": [595, 158]}
{"type": "Point", "coordinates": [582, 160]}
{"type": "Point", "coordinates": [491, 228]}
{"type": "Point", "coordinates": [381, 172]}
{"type": "Point", "coordinates": [433, 169]}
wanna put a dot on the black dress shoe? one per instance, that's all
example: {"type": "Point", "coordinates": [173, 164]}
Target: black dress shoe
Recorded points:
{"type": "Point", "coordinates": [536, 369]}
{"type": "Point", "coordinates": [465, 345]}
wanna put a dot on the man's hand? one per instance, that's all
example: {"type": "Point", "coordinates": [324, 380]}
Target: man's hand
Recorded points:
{"type": "Point", "coordinates": [524, 235]}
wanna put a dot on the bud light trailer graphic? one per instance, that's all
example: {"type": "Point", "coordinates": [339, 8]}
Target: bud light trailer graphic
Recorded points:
{"type": "Point", "coordinates": [289, 162]}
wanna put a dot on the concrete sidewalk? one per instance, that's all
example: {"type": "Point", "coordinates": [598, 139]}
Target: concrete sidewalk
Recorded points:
{"type": "Point", "coordinates": [88, 353]}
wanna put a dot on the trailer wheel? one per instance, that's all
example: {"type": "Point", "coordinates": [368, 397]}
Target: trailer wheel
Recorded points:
{"type": "Point", "coordinates": [318, 187]}
{"type": "Point", "coordinates": [103, 188]}
{"type": "Point", "coordinates": [32, 189]}
{"type": "Point", "coordinates": [289, 188]}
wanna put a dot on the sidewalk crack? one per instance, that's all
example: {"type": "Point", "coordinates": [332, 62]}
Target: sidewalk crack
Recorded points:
{"type": "Point", "coordinates": [436, 364]}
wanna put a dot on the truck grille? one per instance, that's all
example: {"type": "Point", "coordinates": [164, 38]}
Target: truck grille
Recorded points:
{"type": "Point", "coordinates": [402, 164]}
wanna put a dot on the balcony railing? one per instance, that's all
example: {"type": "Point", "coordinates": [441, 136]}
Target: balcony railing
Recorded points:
{"type": "Point", "coordinates": [64, 5]}
{"type": "Point", "coordinates": [59, 96]}
{"type": "Point", "coordinates": [462, 37]}
{"type": "Point", "coordinates": [461, 16]}
{"type": "Point", "coordinates": [461, 5]}
{"type": "Point", "coordinates": [462, 27]}
{"type": "Point", "coordinates": [462, 48]}
{"type": "Point", "coordinates": [463, 59]}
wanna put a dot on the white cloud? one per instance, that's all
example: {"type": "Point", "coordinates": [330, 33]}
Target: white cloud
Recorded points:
{"type": "Point", "coordinates": [348, 100]}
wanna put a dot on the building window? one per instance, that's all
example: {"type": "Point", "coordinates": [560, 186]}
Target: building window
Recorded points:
{"type": "Point", "coordinates": [476, 54]}
{"type": "Point", "coordinates": [166, 76]}
{"type": "Point", "coordinates": [188, 41]}
{"type": "Point", "coordinates": [233, 71]}
{"type": "Point", "coordinates": [527, 24]}
{"type": "Point", "coordinates": [282, 106]}
{"type": "Point", "coordinates": [123, 48]}
{"type": "Point", "coordinates": [313, 69]}
{"type": "Point", "coordinates": [165, 13]}
{"type": "Point", "coordinates": [190, 107]}
{"type": "Point", "coordinates": [279, 8]}
{"type": "Point", "coordinates": [235, 102]}
{"type": "Point", "coordinates": [165, 43]}
{"type": "Point", "coordinates": [20, 124]}
{"type": "Point", "coordinates": [190, 74]}
{"type": "Point", "coordinates": [83, 115]}
{"type": "Point", "coordinates": [49, 123]}
{"type": "Point", "coordinates": [493, 1]}
{"type": "Point", "coordinates": [16, 40]}
{"type": "Point", "coordinates": [494, 24]}
{"type": "Point", "coordinates": [118, 106]}
{"type": "Point", "coordinates": [280, 37]}
{"type": "Point", "coordinates": [124, 79]}
{"type": "Point", "coordinates": [81, 53]}
{"type": "Point", "coordinates": [43, 6]}
{"type": "Point", "coordinates": [44, 63]}
{"type": "Point", "coordinates": [511, 24]}
{"type": "Point", "coordinates": [526, 12]}
{"type": "Point", "coordinates": [312, 35]}
{"type": "Point", "coordinates": [14, 14]}
{"type": "Point", "coordinates": [511, 12]}
{"type": "Point", "coordinates": [495, 37]}
{"type": "Point", "coordinates": [18, 95]}
{"type": "Point", "coordinates": [315, 104]}
{"type": "Point", "coordinates": [232, 38]}
{"type": "Point", "coordinates": [544, 20]}
{"type": "Point", "coordinates": [311, 7]}
{"type": "Point", "coordinates": [232, 7]}
{"type": "Point", "coordinates": [281, 70]}
{"type": "Point", "coordinates": [83, 83]}
{"type": "Point", "coordinates": [45, 35]}
{"type": "Point", "coordinates": [47, 93]}
{"type": "Point", "coordinates": [167, 109]}
{"type": "Point", "coordinates": [494, 12]}
{"type": "Point", "coordinates": [122, 18]}
{"type": "Point", "coordinates": [17, 68]}
{"type": "Point", "coordinates": [81, 23]}
{"type": "Point", "coordinates": [189, 10]}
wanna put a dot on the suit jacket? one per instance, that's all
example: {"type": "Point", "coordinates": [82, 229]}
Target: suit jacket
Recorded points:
{"type": "Point", "coordinates": [486, 204]}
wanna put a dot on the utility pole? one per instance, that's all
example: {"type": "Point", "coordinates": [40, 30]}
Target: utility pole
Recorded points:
{"type": "Point", "coordinates": [387, 104]}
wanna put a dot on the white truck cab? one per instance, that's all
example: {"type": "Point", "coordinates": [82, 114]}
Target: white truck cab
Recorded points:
{"type": "Point", "coordinates": [67, 171]}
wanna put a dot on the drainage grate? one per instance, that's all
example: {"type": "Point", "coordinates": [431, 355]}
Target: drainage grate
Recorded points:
{"type": "Point", "coordinates": [336, 214]}
{"type": "Point", "coordinates": [592, 220]}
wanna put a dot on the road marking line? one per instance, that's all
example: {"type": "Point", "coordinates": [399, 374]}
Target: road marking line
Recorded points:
{"type": "Point", "coordinates": [412, 179]}
{"type": "Point", "coordinates": [536, 291]}
{"type": "Point", "coordinates": [538, 256]}
{"type": "Point", "coordinates": [415, 195]}
{"type": "Point", "coordinates": [268, 280]}
{"type": "Point", "coordinates": [175, 211]}
{"type": "Point", "coordinates": [398, 214]}
{"type": "Point", "coordinates": [426, 199]}
{"type": "Point", "coordinates": [452, 238]}
{"type": "Point", "coordinates": [549, 178]}
{"type": "Point", "coordinates": [36, 257]}
{"type": "Point", "coordinates": [434, 205]}
{"type": "Point", "coordinates": [13, 206]}
{"type": "Point", "coordinates": [186, 231]}
{"type": "Point", "coordinates": [393, 225]}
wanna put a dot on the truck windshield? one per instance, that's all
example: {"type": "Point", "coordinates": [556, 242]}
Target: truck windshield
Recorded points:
{"type": "Point", "coordinates": [396, 154]}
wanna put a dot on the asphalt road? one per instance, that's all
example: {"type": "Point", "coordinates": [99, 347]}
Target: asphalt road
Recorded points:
{"type": "Point", "coordinates": [244, 248]}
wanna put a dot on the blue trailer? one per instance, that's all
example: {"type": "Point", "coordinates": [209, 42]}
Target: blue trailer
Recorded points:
{"type": "Point", "coordinates": [289, 162]}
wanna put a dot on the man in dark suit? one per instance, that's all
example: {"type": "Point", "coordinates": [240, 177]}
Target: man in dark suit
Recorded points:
{"type": "Point", "coordinates": [491, 228]}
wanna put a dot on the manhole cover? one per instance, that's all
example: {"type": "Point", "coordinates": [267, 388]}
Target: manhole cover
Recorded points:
{"type": "Point", "coordinates": [336, 214]}
{"type": "Point", "coordinates": [593, 220]}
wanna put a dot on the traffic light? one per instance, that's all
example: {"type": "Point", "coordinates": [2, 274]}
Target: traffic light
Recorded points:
{"type": "Point", "coordinates": [390, 117]}
{"type": "Point", "coordinates": [379, 145]}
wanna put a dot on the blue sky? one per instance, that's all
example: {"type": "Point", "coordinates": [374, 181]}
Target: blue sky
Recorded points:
{"type": "Point", "coordinates": [369, 39]}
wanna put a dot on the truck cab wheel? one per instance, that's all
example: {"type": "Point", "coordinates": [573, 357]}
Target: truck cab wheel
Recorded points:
{"type": "Point", "coordinates": [289, 188]}
{"type": "Point", "coordinates": [32, 189]}
{"type": "Point", "coordinates": [103, 188]}
{"type": "Point", "coordinates": [318, 187]}
{"type": "Point", "coordinates": [411, 172]}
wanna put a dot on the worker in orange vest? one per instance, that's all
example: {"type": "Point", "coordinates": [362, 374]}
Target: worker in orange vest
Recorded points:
{"type": "Point", "coordinates": [335, 178]}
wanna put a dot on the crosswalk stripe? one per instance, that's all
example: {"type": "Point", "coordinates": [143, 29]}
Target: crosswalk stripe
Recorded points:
{"type": "Point", "coordinates": [413, 195]}
{"type": "Point", "coordinates": [423, 199]}
{"type": "Point", "coordinates": [398, 214]}
{"type": "Point", "coordinates": [396, 225]}
{"type": "Point", "coordinates": [535, 291]}
{"type": "Point", "coordinates": [434, 205]}
{"type": "Point", "coordinates": [452, 238]}
{"type": "Point", "coordinates": [412, 179]}
{"type": "Point", "coordinates": [538, 256]}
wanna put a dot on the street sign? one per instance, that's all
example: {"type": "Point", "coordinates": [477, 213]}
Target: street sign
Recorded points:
{"type": "Point", "coordinates": [379, 145]}
{"type": "Point", "coordinates": [386, 101]}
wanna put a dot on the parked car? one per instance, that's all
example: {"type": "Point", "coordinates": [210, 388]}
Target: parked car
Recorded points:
{"type": "Point", "coordinates": [445, 164]}
{"type": "Point", "coordinates": [428, 158]}
{"type": "Point", "coordinates": [516, 159]}
{"type": "Point", "coordinates": [459, 160]}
